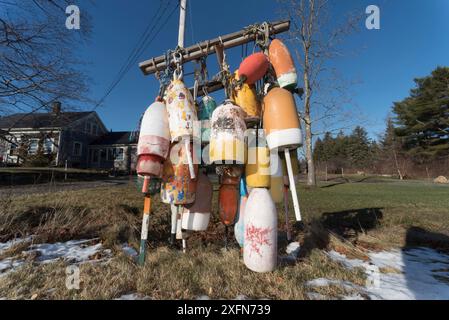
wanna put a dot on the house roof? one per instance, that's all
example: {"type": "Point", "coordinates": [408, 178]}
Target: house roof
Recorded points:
{"type": "Point", "coordinates": [119, 137]}
{"type": "Point", "coordinates": [41, 120]}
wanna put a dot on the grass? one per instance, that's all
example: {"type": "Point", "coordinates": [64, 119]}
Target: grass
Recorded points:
{"type": "Point", "coordinates": [350, 217]}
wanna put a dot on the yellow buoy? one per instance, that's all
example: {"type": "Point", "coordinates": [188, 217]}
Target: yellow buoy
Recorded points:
{"type": "Point", "coordinates": [277, 179]}
{"type": "Point", "coordinates": [258, 164]}
{"type": "Point", "coordinates": [245, 96]}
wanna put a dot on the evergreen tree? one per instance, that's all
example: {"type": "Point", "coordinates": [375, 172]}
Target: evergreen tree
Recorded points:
{"type": "Point", "coordinates": [422, 119]}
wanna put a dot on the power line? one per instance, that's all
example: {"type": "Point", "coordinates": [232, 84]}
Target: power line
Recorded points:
{"type": "Point", "coordinates": [135, 53]}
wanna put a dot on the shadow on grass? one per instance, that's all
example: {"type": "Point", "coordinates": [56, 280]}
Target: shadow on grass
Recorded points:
{"type": "Point", "coordinates": [345, 224]}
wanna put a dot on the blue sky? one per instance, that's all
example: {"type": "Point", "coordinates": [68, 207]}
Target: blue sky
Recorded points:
{"type": "Point", "coordinates": [411, 43]}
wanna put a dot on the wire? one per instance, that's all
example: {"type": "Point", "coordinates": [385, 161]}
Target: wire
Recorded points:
{"type": "Point", "coordinates": [135, 53]}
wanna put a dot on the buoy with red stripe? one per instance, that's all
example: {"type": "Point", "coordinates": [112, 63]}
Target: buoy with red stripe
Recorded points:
{"type": "Point", "coordinates": [254, 67]}
{"type": "Point", "coordinates": [195, 217]}
{"type": "Point", "coordinates": [154, 140]}
{"type": "Point", "coordinates": [182, 117]}
{"type": "Point", "coordinates": [283, 64]}
{"type": "Point", "coordinates": [282, 130]}
{"type": "Point", "coordinates": [260, 242]}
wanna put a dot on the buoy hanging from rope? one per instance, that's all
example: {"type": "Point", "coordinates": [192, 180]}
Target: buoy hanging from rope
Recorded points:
{"type": "Point", "coordinates": [245, 96]}
{"type": "Point", "coordinates": [205, 110]}
{"type": "Point", "coordinates": [260, 243]}
{"type": "Point", "coordinates": [228, 198]}
{"type": "Point", "coordinates": [154, 140]}
{"type": "Point", "coordinates": [283, 64]}
{"type": "Point", "coordinates": [177, 186]}
{"type": "Point", "coordinates": [282, 129]}
{"type": "Point", "coordinates": [257, 169]}
{"type": "Point", "coordinates": [227, 140]}
{"type": "Point", "coordinates": [196, 216]}
{"type": "Point", "coordinates": [253, 68]}
{"type": "Point", "coordinates": [239, 227]}
{"type": "Point", "coordinates": [181, 117]}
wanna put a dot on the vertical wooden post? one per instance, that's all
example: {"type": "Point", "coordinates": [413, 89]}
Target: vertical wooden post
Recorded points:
{"type": "Point", "coordinates": [145, 224]}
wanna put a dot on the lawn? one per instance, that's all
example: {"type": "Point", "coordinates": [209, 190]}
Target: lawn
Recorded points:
{"type": "Point", "coordinates": [350, 216]}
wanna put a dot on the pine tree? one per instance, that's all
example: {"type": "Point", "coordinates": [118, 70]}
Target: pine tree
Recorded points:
{"type": "Point", "coordinates": [422, 119]}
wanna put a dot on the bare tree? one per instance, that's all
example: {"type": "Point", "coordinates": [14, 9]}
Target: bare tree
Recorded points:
{"type": "Point", "coordinates": [325, 93]}
{"type": "Point", "coordinates": [39, 60]}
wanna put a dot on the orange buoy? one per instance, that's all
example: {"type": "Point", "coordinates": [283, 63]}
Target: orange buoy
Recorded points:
{"type": "Point", "coordinates": [228, 196]}
{"type": "Point", "coordinates": [245, 96]}
{"type": "Point", "coordinates": [280, 120]}
{"type": "Point", "coordinates": [283, 64]}
{"type": "Point", "coordinates": [177, 187]}
{"type": "Point", "coordinates": [254, 67]}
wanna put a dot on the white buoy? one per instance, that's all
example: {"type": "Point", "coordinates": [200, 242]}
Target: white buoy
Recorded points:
{"type": "Point", "coordinates": [260, 242]}
{"type": "Point", "coordinates": [154, 140]}
{"type": "Point", "coordinates": [196, 217]}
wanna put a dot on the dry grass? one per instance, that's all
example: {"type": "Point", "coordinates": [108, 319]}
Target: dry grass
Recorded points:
{"type": "Point", "coordinates": [350, 218]}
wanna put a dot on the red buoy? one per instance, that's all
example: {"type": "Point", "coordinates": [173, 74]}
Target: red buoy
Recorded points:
{"type": "Point", "coordinates": [254, 67]}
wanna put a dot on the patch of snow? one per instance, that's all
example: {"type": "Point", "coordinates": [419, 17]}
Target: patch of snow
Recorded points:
{"type": "Point", "coordinates": [130, 251]}
{"type": "Point", "coordinates": [203, 297]}
{"type": "Point", "coordinates": [323, 282]}
{"type": "Point", "coordinates": [316, 296]}
{"type": "Point", "coordinates": [293, 249]}
{"type": "Point", "coordinates": [133, 296]}
{"type": "Point", "coordinates": [7, 264]}
{"type": "Point", "coordinates": [74, 250]}
{"type": "Point", "coordinates": [418, 273]}
{"type": "Point", "coordinates": [8, 245]}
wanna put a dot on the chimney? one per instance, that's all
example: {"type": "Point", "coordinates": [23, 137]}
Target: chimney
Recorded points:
{"type": "Point", "coordinates": [56, 107]}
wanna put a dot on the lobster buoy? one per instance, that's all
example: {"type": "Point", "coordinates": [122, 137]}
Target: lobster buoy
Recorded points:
{"type": "Point", "coordinates": [227, 139]}
{"type": "Point", "coordinates": [196, 217]}
{"type": "Point", "coordinates": [182, 116]}
{"type": "Point", "coordinates": [280, 120]}
{"type": "Point", "coordinates": [257, 168]}
{"type": "Point", "coordinates": [277, 181]}
{"type": "Point", "coordinates": [245, 96]}
{"type": "Point", "coordinates": [154, 140]}
{"type": "Point", "coordinates": [283, 64]}
{"type": "Point", "coordinates": [282, 128]}
{"type": "Point", "coordinates": [254, 67]}
{"type": "Point", "coordinates": [177, 187]}
{"type": "Point", "coordinates": [205, 110]}
{"type": "Point", "coordinates": [260, 243]}
{"type": "Point", "coordinates": [228, 195]}
{"type": "Point", "coordinates": [239, 228]}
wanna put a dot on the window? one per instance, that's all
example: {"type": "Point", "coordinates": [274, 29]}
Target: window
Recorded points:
{"type": "Point", "coordinates": [33, 146]}
{"type": "Point", "coordinates": [48, 145]}
{"type": "Point", "coordinates": [77, 149]}
{"type": "Point", "coordinates": [12, 149]}
{"type": "Point", "coordinates": [119, 155]}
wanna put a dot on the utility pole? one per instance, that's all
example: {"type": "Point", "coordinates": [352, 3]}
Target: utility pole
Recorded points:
{"type": "Point", "coordinates": [182, 23]}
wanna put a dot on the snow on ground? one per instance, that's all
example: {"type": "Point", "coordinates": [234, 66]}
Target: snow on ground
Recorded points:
{"type": "Point", "coordinates": [133, 296]}
{"type": "Point", "coordinates": [8, 245]}
{"type": "Point", "coordinates": [74, 251]}
{"type": "Point", "coordinates": [418, 273]}
{"type": "Point", "coordinates": [130, 251]}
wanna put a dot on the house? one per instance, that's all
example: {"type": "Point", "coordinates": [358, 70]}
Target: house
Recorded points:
{"type": "Point", "coordinates": [74, 139]}
{"type": "Point", "coordinates": [116, 150]}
